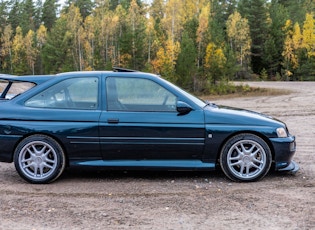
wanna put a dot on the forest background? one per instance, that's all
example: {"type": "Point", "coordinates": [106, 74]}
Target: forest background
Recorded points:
{"type": "Point", "coordinates": [196, 44]}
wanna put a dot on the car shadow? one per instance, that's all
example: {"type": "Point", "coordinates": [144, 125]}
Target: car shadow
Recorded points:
{"type": "Point", "coordinates": [111, 175]}
{"type": "Point", "coordinates": [79, 173]}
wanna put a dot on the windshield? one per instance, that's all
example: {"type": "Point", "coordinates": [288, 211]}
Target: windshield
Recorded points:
{"type": "Point", "coordinates": [196, 100]}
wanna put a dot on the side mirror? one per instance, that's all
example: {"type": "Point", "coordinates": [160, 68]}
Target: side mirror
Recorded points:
{"type": "Point", "coordinates": [183, 108]}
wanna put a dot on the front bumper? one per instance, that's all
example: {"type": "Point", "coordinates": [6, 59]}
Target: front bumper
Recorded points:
{"type": "Point", "coordinates": [284, 150]}
{"type": "Point", "coordinates": [292, 168]}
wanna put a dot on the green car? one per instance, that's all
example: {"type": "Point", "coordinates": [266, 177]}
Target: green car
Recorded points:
{"type": "Point", "coordinates": [125, 119]}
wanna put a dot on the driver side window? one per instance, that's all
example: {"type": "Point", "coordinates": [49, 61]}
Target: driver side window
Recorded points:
{"type": "Point", "coordinates": [138, 95]}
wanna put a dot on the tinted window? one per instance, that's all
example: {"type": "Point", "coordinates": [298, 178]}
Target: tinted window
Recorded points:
{"type": "Point", "coordinates": [136, 94]}
{"type": "Point", "coordinates": [74, 93]}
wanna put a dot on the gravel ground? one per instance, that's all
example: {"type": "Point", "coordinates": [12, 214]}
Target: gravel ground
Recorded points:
{"type": "Point", "coordinates": [92, 199]}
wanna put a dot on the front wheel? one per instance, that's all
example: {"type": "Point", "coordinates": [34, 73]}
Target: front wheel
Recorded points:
{"type": "Point", "coordinates": [39, 159]}
{"type": "Point", "coordinates": [245, 157]}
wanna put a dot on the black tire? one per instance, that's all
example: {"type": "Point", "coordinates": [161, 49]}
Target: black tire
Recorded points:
{"type": "Point", "coordinates": [39, 159]}
{"type": "Point", "coordinates": [245, 158]}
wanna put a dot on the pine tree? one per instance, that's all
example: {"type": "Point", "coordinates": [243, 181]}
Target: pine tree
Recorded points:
{"type": "Point", "coordinates": [85, 7]}
{"type": "Point", "coordinates": [186, 68]}
{"type": "Point", "coordinates": [217, 22]}
{"type": "Point", "coordinates": [3, 14]}
{"type": "Point", "coordinates": [256, 13]}
{"type": "Point", "coordinates": [273, 47]}
{"type": "Point", "coordinates": [57, 56]}
{"type": "Point", "coordinates": [49, 15]}
{"type": "Point", "coordinates": [137, 25]}
{"type": "Point", "coordinates": [38, 13]}
{"type": "Point", "coordinates": [27, 16]}
{"type": "Point", "coordinates": [297, 9]}
{"type": "Point", "coordinates": [14, 14]}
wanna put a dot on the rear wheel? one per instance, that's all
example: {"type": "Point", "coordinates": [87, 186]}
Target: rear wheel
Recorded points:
{"type": "Point", "coordinates": [39, 159]}
{"type": "Point", "coordinates": [245, 157]}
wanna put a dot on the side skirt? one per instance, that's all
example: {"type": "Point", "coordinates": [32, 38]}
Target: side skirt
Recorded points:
{"type": "Point", "coordinates": [147, 164]}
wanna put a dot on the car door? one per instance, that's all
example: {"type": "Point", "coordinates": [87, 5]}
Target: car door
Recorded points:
{"type": "Point", "coordinates": [141, 122]}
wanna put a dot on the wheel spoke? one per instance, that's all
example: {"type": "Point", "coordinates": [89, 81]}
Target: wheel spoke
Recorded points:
{"type": "Point", "coordinates": [255, 153]}
{"type": "Point", "coordinates": [30, 151]}
{"type": "Point", "coordinates": [258, 161]}
{"type": "Point", "coordinates": [35, 170]}
{"type": "Point", "coordinates": [25, 166]}
{"type": "Point", "coordinates": [235, 158]}
{"type": "Point", "coordinates": [241, 169]}
{"type": "Point", "coordinates": [247, 170]}
{"type": "Point", "coordinates": [251, 149]}
{"type": "Point", "coordinates": [255, 166]}
{"type": "Point", "coordinates": [41, 170]}
{"type": "Point", "coordinates": [27, 160]}
{"type": "Point", "coordinates": [46, 153]}
{"type": "Point", "coordinates": [48, 166]}
{"type": "Point", "coordinates": [50, 160]}
{"type": "Point", "coordinates": [243, 148]}
{"type": "Point", "coordinates": [236, 163]}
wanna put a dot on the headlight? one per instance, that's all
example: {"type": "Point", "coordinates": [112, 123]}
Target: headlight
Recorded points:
{"type": "Point", "coordinates": [281, 132]}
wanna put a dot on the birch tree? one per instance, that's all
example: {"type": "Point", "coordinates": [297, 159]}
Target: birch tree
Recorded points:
{"type": "Point", "coordinates": [74, 27]}
{"type": "Point", "coordinates": [30, 50]}
{"type": "Point", "coordinates": [215, 61]}
{"type": "Point", "coordinates": [309, 34]}
{"type": "Point", "coordinates": [41, 38]}
{"type": "Point", "coordinates": [6, 49]}
{"type": "Point", "coordinates": [239, 38]}
{"type": "Point", "coordinates": [18, 53]}
{"type": "Point", "coordinates": [202, 32]}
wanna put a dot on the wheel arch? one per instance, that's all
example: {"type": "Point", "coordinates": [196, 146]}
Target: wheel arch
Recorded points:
{"type": "Point", "coordinates": [48, 135]}
{"type": "Point", "coordinates": [263, 137]}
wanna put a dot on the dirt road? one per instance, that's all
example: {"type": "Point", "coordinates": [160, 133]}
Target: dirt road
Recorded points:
{"type": "Point", "coordinates": [83, 199]}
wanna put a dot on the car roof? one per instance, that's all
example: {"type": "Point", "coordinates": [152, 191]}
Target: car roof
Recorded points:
{"type": "Point", "coordinates": [38, 79]}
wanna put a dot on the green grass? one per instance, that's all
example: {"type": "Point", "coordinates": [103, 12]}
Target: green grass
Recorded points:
{"type": "Point", "coordinates": [232, 91]}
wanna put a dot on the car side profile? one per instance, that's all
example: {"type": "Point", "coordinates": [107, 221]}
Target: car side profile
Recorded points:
{"type": "Point", "coordinates": [126, 119]}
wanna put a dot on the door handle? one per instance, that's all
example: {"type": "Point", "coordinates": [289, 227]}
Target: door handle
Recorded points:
{"type": "Point", "coordinates": [113, 120]}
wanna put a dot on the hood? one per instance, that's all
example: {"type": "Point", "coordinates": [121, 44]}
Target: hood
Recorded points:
{"type": "Point", "coordinates": [235, 116]}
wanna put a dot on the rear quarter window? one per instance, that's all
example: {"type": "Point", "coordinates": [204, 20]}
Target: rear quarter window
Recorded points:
{"type": "Point", "coordinates": [72, 93]}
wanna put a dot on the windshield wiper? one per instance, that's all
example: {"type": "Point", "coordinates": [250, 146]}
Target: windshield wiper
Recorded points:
{"type": "Point", "coordinates": [208, 103]}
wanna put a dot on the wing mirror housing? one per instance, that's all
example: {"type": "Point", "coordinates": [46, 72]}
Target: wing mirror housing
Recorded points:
{"type": "Point", "coordinates": [183, 108]}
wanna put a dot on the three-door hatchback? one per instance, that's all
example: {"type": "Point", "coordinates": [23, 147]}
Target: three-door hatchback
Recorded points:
{"type": "Point", "coordinates": [131, 120]}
